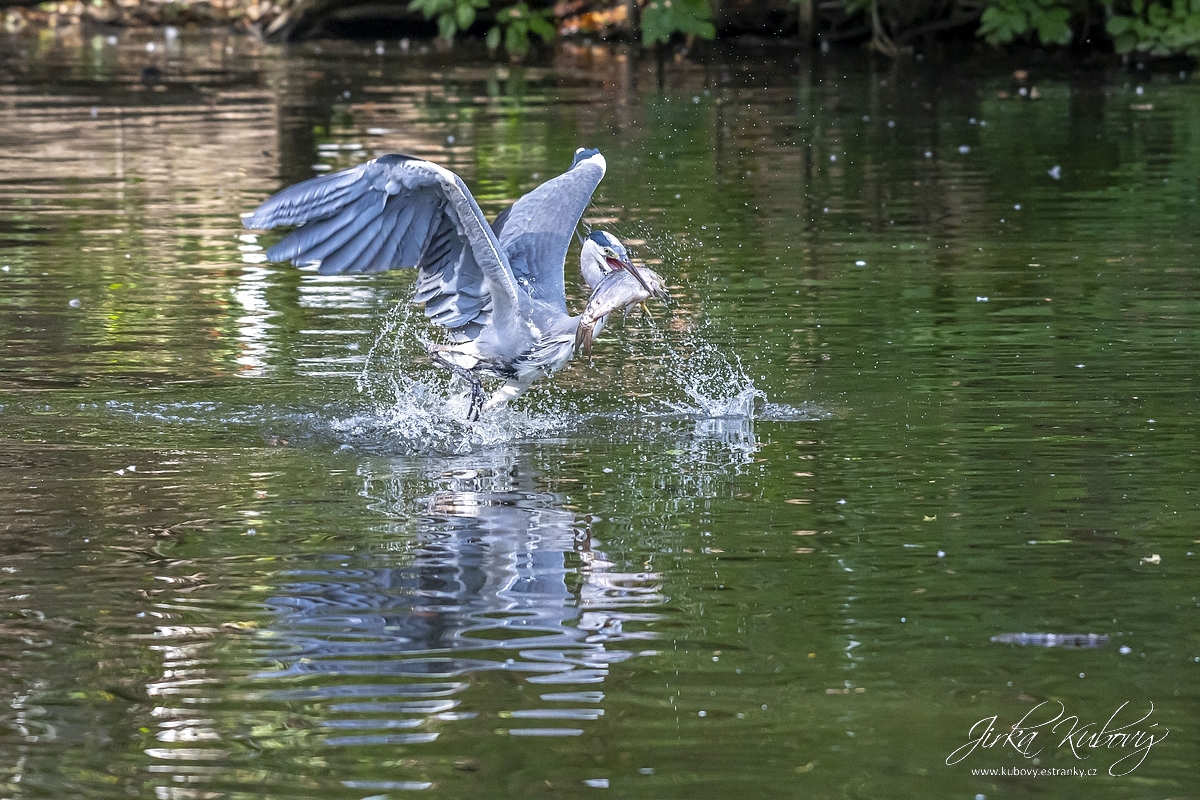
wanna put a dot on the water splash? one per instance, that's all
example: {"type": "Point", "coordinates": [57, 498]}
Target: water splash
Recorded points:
{"type": "Point", "coordinates": [420, 419]}
{"type": "Point", "coordinates": [715, 384]}
{"type": "Point", "coordinates": [412, 409]}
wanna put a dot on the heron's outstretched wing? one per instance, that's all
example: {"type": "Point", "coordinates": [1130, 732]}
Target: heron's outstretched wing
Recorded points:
{"type": "Point", "coordinates": [398, 211]}
{"type": "Point", "coordinates": [535, 232]}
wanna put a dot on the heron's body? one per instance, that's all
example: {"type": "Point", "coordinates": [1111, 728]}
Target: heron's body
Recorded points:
{"type": "Point", "coordinates": [497, 287]}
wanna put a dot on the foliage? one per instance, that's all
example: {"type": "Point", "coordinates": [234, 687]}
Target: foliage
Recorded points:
{"type": "Point", "coordinates": [518, 21]}
{"type": "Point", "coordinates": [1004, 21]}
{"type": "Point", "coordinates": [452, 15]}
{"type": "Point", "coordinates": [1155, 29]}
{"type": "Point", "coordinates": [514, 24]}
{"type": "Point", "coordinates": [663, 18]}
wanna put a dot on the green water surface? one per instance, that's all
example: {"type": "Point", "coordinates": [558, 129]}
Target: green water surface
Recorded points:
{"type": "Point", "coordinates": [250, 548]}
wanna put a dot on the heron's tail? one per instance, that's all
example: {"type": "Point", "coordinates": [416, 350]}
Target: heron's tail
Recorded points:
{"type": "Point", "coordinates": [546, 357]}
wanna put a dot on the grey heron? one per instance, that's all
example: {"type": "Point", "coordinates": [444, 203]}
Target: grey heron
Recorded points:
{"type": "Point", "coordinates": [498, 288]}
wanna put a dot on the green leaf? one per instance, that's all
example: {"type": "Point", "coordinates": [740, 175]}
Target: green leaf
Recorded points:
{"type": "Point", "coordinates": [542, 27]}
{"type": "Point", "coordinates": [447, 27]}
{"type": "Point", "coordinates": [1053, 26]}
{"type": "Point", "coordinates": [493, 38]}
{"type": "Point", "coordinates": [661, 19]}
{"type": "Point", "coordinates": [430, 8]}
{"type": "Point", "coordinates": [1124, 43]}
{"type": "Point", "coordinates": [1118, 25]}
{"type": "Point", "coordinates": [464, 15]}
{"type": "Point", "coordinates": [1000, 26]}
{"type": "Point", "coordinates": [515, 41]}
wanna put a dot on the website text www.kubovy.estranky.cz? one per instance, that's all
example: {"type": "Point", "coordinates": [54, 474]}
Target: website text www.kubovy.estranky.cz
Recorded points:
{"type": "Point", "coordinates": [1035, 772]}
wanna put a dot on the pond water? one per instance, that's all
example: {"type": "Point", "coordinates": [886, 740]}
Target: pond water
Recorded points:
{"type": "Point", "coordinates": [927, 380]}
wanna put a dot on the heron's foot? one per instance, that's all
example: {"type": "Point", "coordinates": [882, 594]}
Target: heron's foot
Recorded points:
{"type": "Point", "coordinates": [470, 377]}
{"type": "Point", "coordinates": [476, 400]}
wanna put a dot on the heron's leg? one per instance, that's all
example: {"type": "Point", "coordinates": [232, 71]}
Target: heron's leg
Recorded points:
{"type": "Point", "coordinates": [470, 377]}
{"type": "Point", "coordinates": [511, 390]}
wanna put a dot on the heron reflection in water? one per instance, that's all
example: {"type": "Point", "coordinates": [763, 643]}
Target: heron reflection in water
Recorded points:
{"type": "Point", "coordinates": [498, 288]}
{"type": "Point", "coordinates": [492, 575]}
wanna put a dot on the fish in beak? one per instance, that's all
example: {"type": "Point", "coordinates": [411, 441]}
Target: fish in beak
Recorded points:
{"type": "Point", "coordinates": [622, 288]}
{"type": "Point", "coordinates": [627, 265]}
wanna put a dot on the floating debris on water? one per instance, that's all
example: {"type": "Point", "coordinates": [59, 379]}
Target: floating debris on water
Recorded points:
{"type": "Point", "coordinates": [1067, 641]}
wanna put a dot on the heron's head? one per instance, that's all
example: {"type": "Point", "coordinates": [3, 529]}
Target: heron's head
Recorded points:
{"type": "Point", "coordinates": [602, 255]}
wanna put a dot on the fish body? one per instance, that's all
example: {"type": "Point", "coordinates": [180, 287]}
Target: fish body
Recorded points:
{"type": "Point", "coordinates": [619, 289]}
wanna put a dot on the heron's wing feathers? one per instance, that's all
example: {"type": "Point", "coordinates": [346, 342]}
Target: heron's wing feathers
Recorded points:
{"type": "Point", "coordinates": [535, 232]}
{"type": "Point", "coordinates": [398, 211]}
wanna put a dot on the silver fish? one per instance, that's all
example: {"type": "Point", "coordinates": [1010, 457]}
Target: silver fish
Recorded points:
{"type": "Point", "coordinates": [622, 288]}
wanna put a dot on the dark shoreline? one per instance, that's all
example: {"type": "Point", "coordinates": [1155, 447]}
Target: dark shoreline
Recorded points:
{"type": "Point", "coordinates": [410, 33]}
